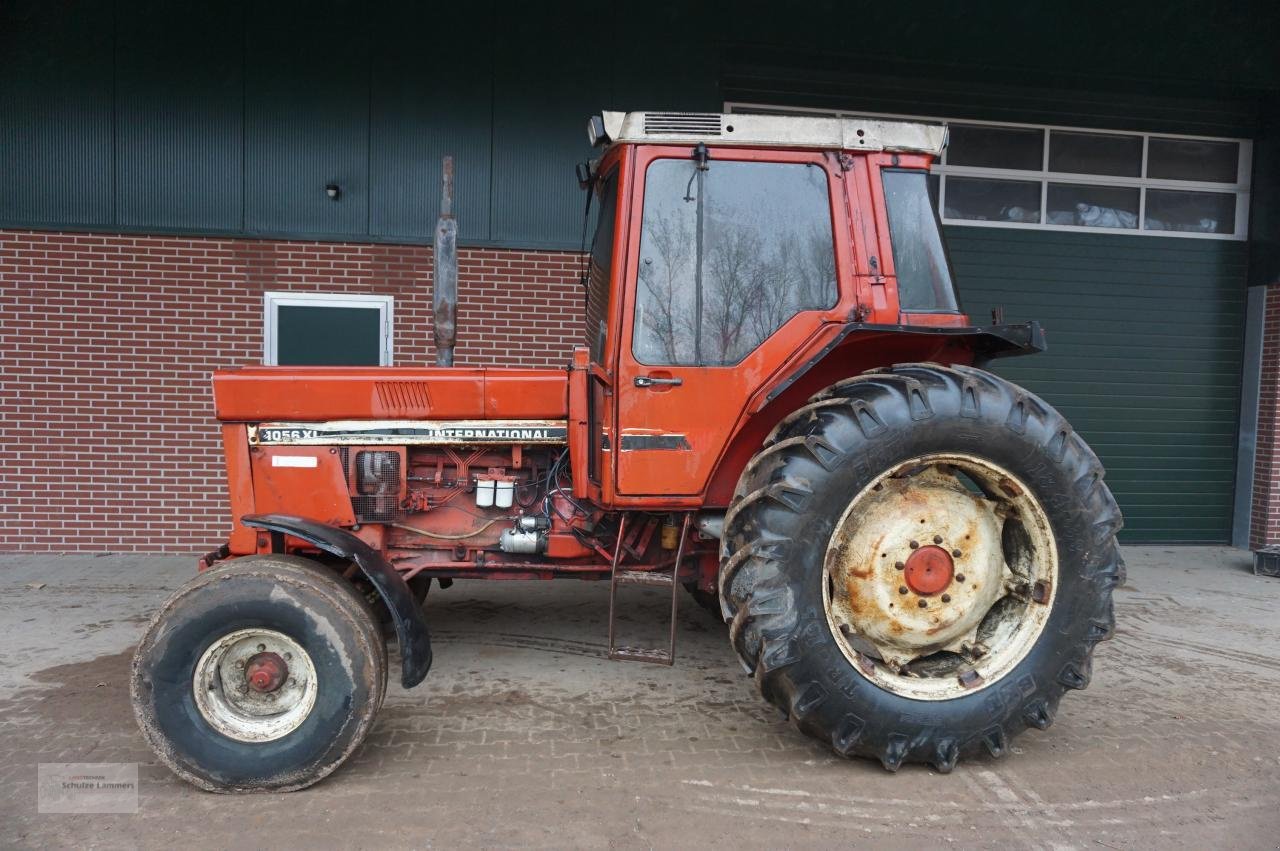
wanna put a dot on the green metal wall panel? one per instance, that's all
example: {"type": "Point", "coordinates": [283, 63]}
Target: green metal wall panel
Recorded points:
{"type": "Point", "coordinates": [432, 93]}
{"type": "Point", "coordinates": [544, 90]}
{"type": "Point", "coordinates": [306, 117]}
{"type": "Point", "coordinates": [179, 112]}
{"type": "Point", "coordinates": [56, 121]}
{"type": "Point", "coordinates": [1145, 339]}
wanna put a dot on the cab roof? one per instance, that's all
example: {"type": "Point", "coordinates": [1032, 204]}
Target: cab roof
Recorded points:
{"type": "Point", "coordinates": [779, 131]}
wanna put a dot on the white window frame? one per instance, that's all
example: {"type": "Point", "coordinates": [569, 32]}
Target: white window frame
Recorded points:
{"type": "Point", "coordinates": [271, 301]}
{"type": "Point", "coordinates": [1240, 189]}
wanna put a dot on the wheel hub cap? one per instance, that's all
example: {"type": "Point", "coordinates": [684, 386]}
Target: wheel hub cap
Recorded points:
{"type": "Point", "coordinates": [266, 672]}
{"type": "Point", "coordinates": [929, 570]}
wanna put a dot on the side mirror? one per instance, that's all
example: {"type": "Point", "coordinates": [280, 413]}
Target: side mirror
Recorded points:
{"type": "Point", "coordinates": [584, 175]}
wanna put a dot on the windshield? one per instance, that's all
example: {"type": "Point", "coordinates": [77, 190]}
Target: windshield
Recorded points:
{"type": "Point", "coordinates": [919, 255]}
{"type": "Point", "coordinates": [598, 289]}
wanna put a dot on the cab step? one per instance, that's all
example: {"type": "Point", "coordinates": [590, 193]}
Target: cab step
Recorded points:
{"type": "Point", "coordinates": [640, 654]}
{"type": "Point", "coordinates": [654, 579]}
{"type": "Point", "coordinates": [658, 579]}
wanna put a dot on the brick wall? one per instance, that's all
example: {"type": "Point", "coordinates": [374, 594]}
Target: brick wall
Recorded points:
{"type": "Point", "coordinates": [1264, 525]}
{"type": "Point", "coordinates": [107, 441]}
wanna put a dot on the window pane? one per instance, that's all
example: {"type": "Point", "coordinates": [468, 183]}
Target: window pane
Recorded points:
{"type": "Point", "coordinates": [328, 336]}
{"type": "Point", "coordinates": [1192, 159]}
{"type": "Point", "coordinates": [727, 255]}
{"type": "Point", "coordinates": [1190, 212]}
{"type": "Point", "coordinates": [979, 199]}
{"type": "Point", "coordinates": [919, 258]}
{"type": "Point", "coordinates": [1092, 206]}
{"type": "Point", "coordinates": [598, 289]}
{"type": "Point", "coordinates": [995, 147]}
{"type": "Point", "coordinates": [1095, 153]}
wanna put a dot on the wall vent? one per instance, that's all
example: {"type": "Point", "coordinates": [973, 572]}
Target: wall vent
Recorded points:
{"type": "Point", "coordinates": [682, 123]}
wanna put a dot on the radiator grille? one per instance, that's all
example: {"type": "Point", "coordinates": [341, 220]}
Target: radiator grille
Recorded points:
{"type": "Point", "coordinates": [682, 123]}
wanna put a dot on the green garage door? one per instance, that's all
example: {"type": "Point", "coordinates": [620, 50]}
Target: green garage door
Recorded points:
{"type": "Point", "coordinates": [1145, 338]}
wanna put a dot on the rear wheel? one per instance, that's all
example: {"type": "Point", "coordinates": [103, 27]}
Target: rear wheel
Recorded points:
{"type": "Point", "coordinates": [263, 674]}
{"type": "Point", "coordinates": [919, 563]}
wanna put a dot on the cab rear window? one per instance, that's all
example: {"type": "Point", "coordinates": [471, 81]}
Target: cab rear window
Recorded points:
{"type": "Point", "coordinates": [919, 255]}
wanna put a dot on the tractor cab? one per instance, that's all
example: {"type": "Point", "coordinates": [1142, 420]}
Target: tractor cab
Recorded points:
{"type": "Point", "coordinates": [729, 254]}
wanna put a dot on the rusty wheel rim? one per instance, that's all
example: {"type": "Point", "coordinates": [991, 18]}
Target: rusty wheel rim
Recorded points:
{"type": "Point", "coordinates": [255, 685]}
{"type": "Point", "coordinates": [940, 576]}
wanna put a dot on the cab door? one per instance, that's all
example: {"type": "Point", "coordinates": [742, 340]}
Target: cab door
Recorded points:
{"type": "Point", "coordinates": [731, 267]}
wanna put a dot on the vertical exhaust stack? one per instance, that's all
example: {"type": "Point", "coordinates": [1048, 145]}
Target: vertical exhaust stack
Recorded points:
{"type": "Point", "coordinates": [445, 282]}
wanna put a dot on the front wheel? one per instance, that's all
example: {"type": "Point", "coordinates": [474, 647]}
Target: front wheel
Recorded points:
{"type": "Point", "coordinates": [919, 563]}
{"type": "Point", "coordinates": [261, 674]}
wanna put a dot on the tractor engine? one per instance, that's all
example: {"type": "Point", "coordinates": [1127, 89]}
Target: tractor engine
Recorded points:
{"type": "Point", "coordinates": [468, 505]}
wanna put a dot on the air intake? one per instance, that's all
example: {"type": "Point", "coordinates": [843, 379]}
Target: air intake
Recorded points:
{"type": "Point", "coordinates": [376, 496]}
{"type": "Point", "coordinates": [682, 123]}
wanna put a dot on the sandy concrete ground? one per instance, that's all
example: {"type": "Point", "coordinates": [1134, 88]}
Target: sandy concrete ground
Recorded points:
{"type": "Point", "coordinates": [524, 735]}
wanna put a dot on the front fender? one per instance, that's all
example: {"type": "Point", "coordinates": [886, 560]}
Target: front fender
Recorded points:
{"type": "Point", "coordinates": [411, 626]}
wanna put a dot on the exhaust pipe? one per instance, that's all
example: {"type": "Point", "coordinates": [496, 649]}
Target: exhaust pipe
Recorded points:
{"type": "Point", "coordinates": [444, 288]}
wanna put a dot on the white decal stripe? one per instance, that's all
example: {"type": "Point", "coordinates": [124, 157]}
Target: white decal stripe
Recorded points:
{"type": "Point", "coordinates": [294, 461]}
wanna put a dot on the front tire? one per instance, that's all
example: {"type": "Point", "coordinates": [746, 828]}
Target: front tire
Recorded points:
{"type": "Point", "coordinates": [822, 596]}
{"type": "Point", "coordinates": [263, 674]}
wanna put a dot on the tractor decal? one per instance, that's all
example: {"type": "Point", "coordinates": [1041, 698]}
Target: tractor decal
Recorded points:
{"type": "Point", "coordinates": [409, 432]}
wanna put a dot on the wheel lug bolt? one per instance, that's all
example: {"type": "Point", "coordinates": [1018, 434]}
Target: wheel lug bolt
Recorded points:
{"type": "Point", "coordinates": [900, 565]}
{"type": "Point", "coordinates": [923, 604]}
{"type": "Point", "coordinates": [261, 647]}
{"type": "Point", "coordinates": [959, 577]}
{"type": "Point", "coordinates": [288, 656]}
{"type": "Point", "coordinates": [946, 598]}
{"type": "Point", "coordinates": [914, 545]}
{"type": "Point", "coordinates": [937, 539]}
{"type": "Point", "coordinates": [955, 553]}
{"type": "Point", "coordinates": [240, 663]}
{"type": "Point", "coordinates": [902, 589]}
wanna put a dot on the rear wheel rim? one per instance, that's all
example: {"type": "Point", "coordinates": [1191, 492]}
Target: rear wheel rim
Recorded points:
{"type": "Point", "coordinates": [250, 708]}
{"type": "Point", "coordinates": [940, 576]}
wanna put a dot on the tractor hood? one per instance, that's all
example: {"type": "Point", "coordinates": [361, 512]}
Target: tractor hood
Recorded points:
{"type": "Point", "coordinates": [320, 394]}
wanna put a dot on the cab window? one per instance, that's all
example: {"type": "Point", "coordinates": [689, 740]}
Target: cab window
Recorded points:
{"type": "Point", "coordinates": [599, 262]}
{"type": "Point", "coordinates": [729, 253]}
{"type": "Point", "coordinates": [919, 255]}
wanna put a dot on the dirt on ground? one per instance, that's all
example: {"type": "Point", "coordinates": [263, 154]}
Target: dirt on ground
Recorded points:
{"type": "Point", "coordinates": [524, 735]}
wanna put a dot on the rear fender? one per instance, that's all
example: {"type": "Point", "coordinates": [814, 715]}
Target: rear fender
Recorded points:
{"type": "Point", "coordinates": [411, 626]}
{"type": "Point", "coordinates": [855, 349]}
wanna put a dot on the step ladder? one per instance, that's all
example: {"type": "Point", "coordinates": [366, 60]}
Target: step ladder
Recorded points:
{"type": "Point", "coordinates": [654, 579]}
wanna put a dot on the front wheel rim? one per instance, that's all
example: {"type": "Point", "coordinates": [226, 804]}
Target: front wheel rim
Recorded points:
{"type": "Point", "coordinates": [255, 685]}
{"type": "Point", "coordinates": [940, 576]}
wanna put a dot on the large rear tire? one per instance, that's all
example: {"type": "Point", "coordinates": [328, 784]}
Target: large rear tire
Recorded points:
{"type": "Point", "coordinates": [844, 560]}
{"type": "Point", "coordinates": [263, 674]}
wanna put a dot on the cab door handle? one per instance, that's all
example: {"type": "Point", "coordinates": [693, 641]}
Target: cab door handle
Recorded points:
{"type": "Point", "coordinates": [651, 381]}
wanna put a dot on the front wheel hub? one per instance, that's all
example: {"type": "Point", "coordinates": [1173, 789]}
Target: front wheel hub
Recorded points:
{"type": "Point", "coordinates": [255, 685]}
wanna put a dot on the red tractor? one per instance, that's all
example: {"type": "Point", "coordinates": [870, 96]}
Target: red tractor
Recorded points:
{"type": "Point", "coordinates": [779, 407]}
